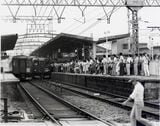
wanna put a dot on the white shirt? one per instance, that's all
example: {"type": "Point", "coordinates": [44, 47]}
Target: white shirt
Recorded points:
{"type": "Point", "coordinates": [115, 60]}
{"type": "Point", "coordinates": [109, 60]}
{"type": "Point", "coordinates": [138, 92]}
{"type": "Point", "coordinates": [104, 61]}
{"type": "Point", "coordinates": [136, 60]}
{"type": "Point", "coordinates": [129, 60]}
{"type": "Point", "coordinates": [121, 59]}
{"type": "Point", "coordinates": [91, 61]}
{"type": "Point", "coordinates": [145, 60]}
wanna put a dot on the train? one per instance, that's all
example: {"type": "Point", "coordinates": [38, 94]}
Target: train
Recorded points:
{"type": "Point", "coordinates": [28, 67]}
{"type": "Point", "coordinates": [41, 68]}
{"type": "Point", "coordinates": [22, 67]}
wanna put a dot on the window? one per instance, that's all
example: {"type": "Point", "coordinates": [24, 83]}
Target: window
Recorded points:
{"type": "Point", "coordinates": [125, 46]}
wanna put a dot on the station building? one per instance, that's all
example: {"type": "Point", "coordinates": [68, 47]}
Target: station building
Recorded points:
{"type": "Point", "coordinates": [143, 48]}
{"type": "Point", "coordinates": [119, 43]}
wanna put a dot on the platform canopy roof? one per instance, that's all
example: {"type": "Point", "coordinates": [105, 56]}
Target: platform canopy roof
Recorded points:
{"type": "Point", "coordinates": [8, 42]}
{"type": "Point", "coordinates": [68, 42]}
{"type": "Point", "coordinates": [112, 38]}
{"type": "Point", "coordinates": [65, 42]}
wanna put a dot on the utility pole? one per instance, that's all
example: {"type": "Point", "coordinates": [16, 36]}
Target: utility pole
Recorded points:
{"type": "Point", "coordinates": [134, 6]}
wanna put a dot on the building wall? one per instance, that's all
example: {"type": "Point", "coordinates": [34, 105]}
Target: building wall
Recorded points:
{"type": "Point", "coordinates": [156, 50]}
{"type": "Point", "coordinates": [144, 50]}
{"type": "Point", "coordinates": [114, 48]}
{"type": "Point", "coordinates": [120, 45]}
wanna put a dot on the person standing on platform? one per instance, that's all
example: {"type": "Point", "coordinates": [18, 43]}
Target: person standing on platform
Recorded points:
{"type": "Point", "coordinates": [128, 64]}
{"type": "Point", "coordinates": [118, 66]}
{"type": "Point", "coordinates": [114, 65]}
{"type": "Point", "coordinates": [136, 61]}
{"type": "Point", "coordinates": [146, 64]}
{"type": "Point", "coordinates": [138, 96]}
{"type": "Point", "coordinates": [109, 65]}
{"type": "Point", "coordinates": [105, 67]}
{"type": "Point", "coordinates": [140, 65]}
{"type": "Point", "coordinates": [121, 58]}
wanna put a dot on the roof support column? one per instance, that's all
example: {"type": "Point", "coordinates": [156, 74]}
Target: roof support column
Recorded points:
{"type": "Point", "coordinates": [94, 49]}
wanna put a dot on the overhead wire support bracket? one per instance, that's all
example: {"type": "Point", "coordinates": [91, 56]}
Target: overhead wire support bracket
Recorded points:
{"type": "Point", "coordinates": [88, 3]}
{"type": "Point", "coordinates": [59, 16]}
{"type": "Point", "coordinates": [109, 14]}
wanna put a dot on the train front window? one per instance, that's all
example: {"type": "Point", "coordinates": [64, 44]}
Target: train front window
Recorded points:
{"type": "Point", "coordinates": [29, 63]}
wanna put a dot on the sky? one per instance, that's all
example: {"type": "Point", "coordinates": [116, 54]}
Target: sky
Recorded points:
{"type": "Point", "coordinates": [75, 23]}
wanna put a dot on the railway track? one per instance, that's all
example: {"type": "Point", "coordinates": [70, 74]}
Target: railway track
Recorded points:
{"type": "Point", "coordinates": [57, 109]}
{"type": "Point", "coordinates": [157, 106]}
{"type": "Point", "coordinates": [149, 109]}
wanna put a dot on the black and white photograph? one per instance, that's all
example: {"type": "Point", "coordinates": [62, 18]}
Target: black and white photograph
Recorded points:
{"type": "Point", "coordinates": [80, 63]}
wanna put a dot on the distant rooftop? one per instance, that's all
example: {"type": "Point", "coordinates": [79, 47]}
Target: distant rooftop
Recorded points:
{"type": "Point", "coordinates": [112, 38]}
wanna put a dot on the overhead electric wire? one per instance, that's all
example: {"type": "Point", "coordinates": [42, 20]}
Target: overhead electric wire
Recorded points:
{"type": "Point", "coordinates": [43, 13]}
{"type": "Point", "coordinates": [74, 23]}
{"type": "Point", "coordinates": [95, 23]}
{"type": "Point", "coordinates": [91, 19]}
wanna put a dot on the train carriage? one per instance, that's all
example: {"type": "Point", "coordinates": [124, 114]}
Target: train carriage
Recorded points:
{"type": "Point", "coordinates": [41, 68]}
{"type": "Point", "coordinates": [22, 67]}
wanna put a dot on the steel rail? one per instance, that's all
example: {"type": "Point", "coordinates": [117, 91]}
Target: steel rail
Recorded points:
{"type": "Point", "coordinates": [83, 112]}
{"type": "Point", "coordinates": [116, 103]}
{"type": "Point", "coordinates": [39, 106]}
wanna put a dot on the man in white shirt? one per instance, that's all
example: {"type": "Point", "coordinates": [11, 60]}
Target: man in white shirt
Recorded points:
{"type": "Point", "coordinates": [145, 64]}
{"type": "Point", "coordinates": [105, 67]}
{"type": "Point", "coordinates": [138, 96]}
{"type": "Point", "coordinates": [128, 64]}
{"type": "Point", "coordinates": [136, 60]}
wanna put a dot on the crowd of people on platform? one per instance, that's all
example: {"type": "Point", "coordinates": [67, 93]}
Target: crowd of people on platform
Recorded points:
{"type": "Point", "coordinates": [112, 65]}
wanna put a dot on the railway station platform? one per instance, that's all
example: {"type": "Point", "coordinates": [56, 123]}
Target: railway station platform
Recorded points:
{"type": "Point", "coordinates": [8, 90]}
{"type": "Point", "coordinates": [8, 77]}
{"type": "Point", "coordinates": [118, 85]}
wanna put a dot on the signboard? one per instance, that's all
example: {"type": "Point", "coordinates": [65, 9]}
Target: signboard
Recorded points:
{"type": "Point", "coordinates": [134, 3]}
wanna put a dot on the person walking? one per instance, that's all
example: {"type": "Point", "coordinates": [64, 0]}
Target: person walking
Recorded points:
{"type": "Point", "coordinates": [138, 96]}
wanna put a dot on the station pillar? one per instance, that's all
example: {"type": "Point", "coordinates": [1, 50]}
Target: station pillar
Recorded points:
{"type": "Point", "coordinates": [94, 49]}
